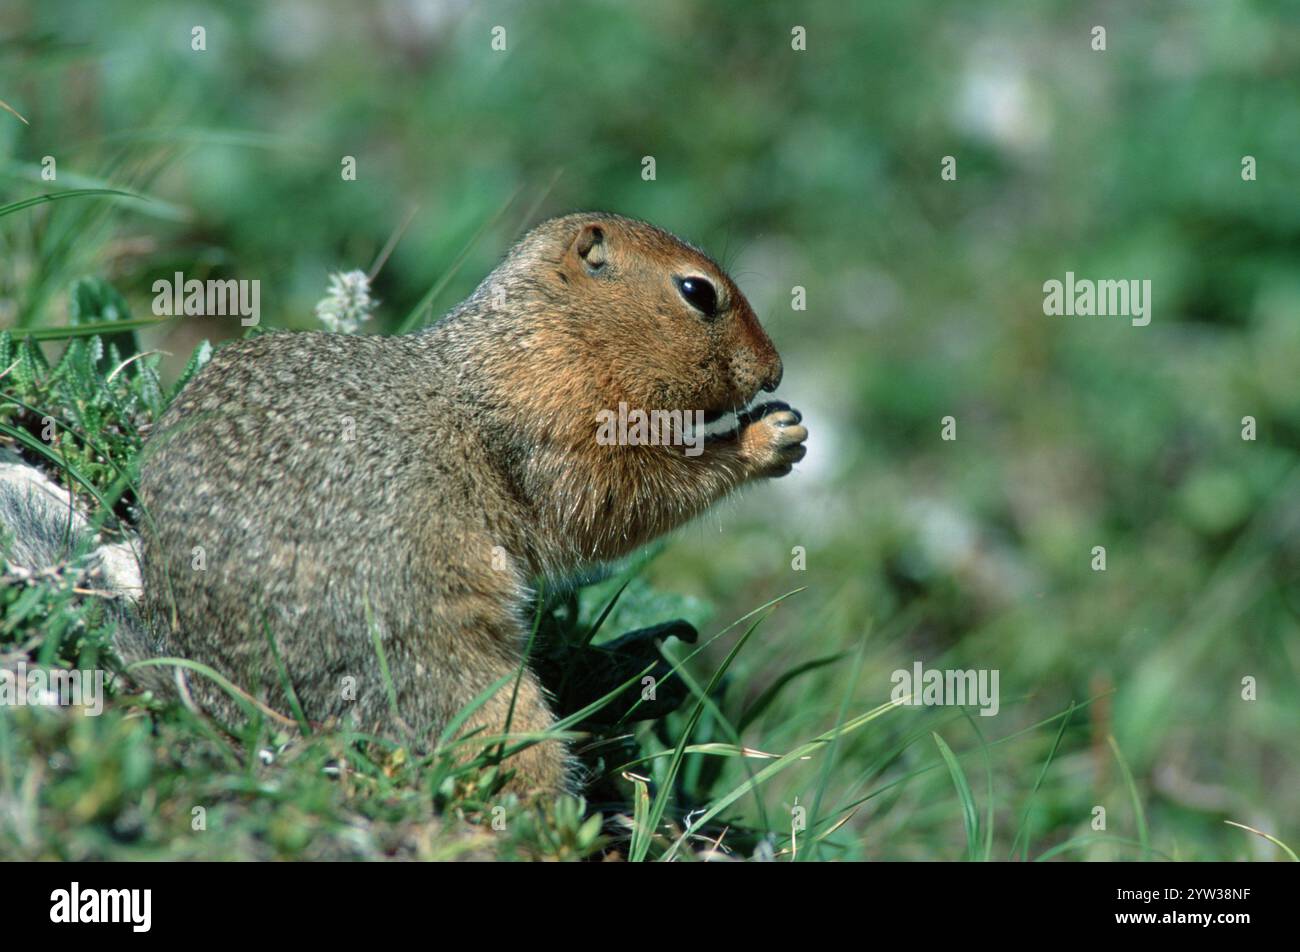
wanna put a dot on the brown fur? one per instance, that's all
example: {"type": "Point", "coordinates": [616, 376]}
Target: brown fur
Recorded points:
{"type": "Point", "coordinates": [473, 468]}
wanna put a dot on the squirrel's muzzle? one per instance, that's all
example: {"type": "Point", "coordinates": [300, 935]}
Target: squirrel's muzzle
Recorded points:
{"type": "Point", "coordinates": [759, 357]}
{"type": "Point", "coordinates": [774, 374]}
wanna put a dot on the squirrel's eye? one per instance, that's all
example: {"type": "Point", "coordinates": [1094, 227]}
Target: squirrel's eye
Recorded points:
{"type": "Point", "coordinates": [699, 294]}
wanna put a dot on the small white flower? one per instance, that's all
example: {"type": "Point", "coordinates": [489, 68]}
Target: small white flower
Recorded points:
{"type": "Point", "coordinates": [347, 304]}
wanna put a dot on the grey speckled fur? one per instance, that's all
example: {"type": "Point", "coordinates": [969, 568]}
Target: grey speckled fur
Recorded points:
{"type": "Point", "coordinates": [274, 480]}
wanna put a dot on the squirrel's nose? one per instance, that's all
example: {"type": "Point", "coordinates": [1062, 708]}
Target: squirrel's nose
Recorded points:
{"type": "Point", "coordinates": [774, 376]}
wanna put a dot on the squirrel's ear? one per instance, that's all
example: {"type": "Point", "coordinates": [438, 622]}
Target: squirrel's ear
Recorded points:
{"type": "Point", "coordinates": [590, 246]}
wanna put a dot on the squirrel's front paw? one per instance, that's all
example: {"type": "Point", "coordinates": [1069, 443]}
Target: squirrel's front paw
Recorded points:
{"type": "Point", "coordinates": [772, 437]}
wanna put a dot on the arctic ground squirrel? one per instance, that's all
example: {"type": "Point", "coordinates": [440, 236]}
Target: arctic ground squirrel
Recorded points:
{"type": "Point", "coordinates": [315, 501]}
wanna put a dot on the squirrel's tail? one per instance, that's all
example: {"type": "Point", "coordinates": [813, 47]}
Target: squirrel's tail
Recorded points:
{"type": "Point", "coordinates": [42, 530]}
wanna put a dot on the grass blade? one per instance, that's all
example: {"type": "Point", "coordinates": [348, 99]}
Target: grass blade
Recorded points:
{"type": "Point", "coordinates": [389, 688]}
{"type": "Point", "coordinates": [988, 775]}
{"type": "Point", "coordinates": [1023, 829]}
{"type": "Point", "coordinates": [1138, 812]}
{"type": "Point", "coordinates": [286, 683]}
{"type": "Point", "coordinates": [59, 196]}
{"type": "Point", "coordinates": [1272, 839]}
{"type": "Point", "coordinates": [970, 816]}
{"type": "Point", "coordinates": [69, 331]}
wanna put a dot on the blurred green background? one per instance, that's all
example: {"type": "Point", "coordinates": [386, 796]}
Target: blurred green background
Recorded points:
{"type": "Point", "coordinates": [818, 169]}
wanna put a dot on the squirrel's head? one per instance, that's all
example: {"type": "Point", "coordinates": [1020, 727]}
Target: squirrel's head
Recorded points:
{"type": "Point", "coordinates": [660, 324]}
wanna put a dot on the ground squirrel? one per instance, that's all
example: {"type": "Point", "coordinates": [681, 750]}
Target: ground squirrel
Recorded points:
{"type": "Point", "coordinates": [326, 490]}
